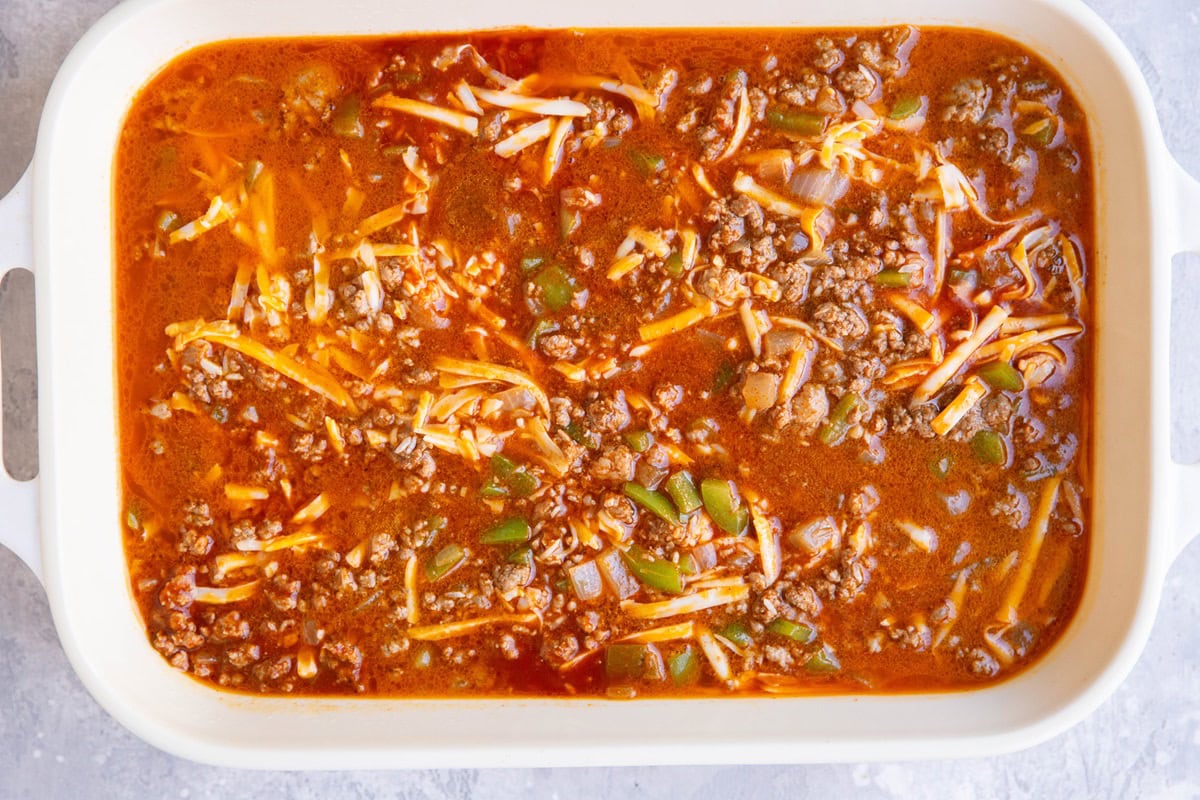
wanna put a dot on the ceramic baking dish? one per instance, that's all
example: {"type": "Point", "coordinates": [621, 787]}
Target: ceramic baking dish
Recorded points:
{"type": "Point", "coordinates": [65, 524]}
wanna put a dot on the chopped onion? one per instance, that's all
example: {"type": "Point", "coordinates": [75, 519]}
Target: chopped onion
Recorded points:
{"type": "Point", "coordinates": [616, 575]}
{"type": "Point", "coordinates": [585, 580]}
{"type": "Point", "coordinates": [817, 537]}
{"type": "Point", "coordinates": [761, 390]}
{"type": "Point", "coordinates": [705, 555]}
{"type": "Point", "coordinates": [923, 537]}
{"type": "Point", "coordinates": [818, 186]}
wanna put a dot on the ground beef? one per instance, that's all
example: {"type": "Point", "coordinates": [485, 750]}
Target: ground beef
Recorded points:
{"type": "Point", "coordinates": [510, 577]}
{"type": "Point", "coordinates": [809, 408]}
{"type": "Point", "coordinates": [724, 286]}
{"type": "Point", "coordinates": [620, 508]}
{"type": "Point", "coordinates": [828, 56]}
{"type": "Point", "coordinates": [580, 197]}
{"type": "Point", "coordinates": [563, 647]}
{"type": "Point", "coordinates": [1012, 509]}
{"type": "Point", "coordinates": [912, 637]}
{"type": "Point", "coordinates": [342, 658]}
{"type": "Point", "coordinates": [768, 605]}
{"type": "Point", "coordinates": [728, 226]}
{"type": "Point", "coordinates": [874, 56]}
{"type": "Point", "coordinates": [609, 414]}
{"type": "Point", "coordinates": [242, 655]}
{"type": "Point", "coordinates": [508, 647]}
{"type": "Point", "coordinates": [803, 90]}
{"type": "Point", "coordinates": [196, 514]}
{"type": "Point", "coordinates": [997, 410]}
{"type": "Point", "coordinates": [194, 543]}
{"type": "Point", "coordinates": [778, 655]}
{"type": "Point", "coordinates": [668, 395]}
{"type": "Point", "coordinates": [283, 592]}
{"type": "Point", "coordinates": [967, 102]}
{"type": "Point", "coordinates": [382, 545]}
{"type": "Point", "coordinates": [903, 420]}
{"type": "Point", "coordinates": [804, 599]}
{"type": "Point", "coordinates": [855, 82]}
{"type": "Point", "coordinates": [560, 411]}
{"type": "Point", "coordinates": [274, 670]}
{"type": "Point", "coordinates": [982, 663]}
{"type": "Point", "coordinates": [230, 627]}
{"type": "Point", "coordinates": [615, 464]}
{"type": "Point", "coordinates": [866, 365]}
{"type": "Point", "coordinates": [793, 277]}
{"type": "Point", "coordinates": [1028, 430]}
{"type": "Point", "coordinates": [847, 580]}
{"type": "Point", "coordinates": [557, 346]}
{"type": "Point", "coordinates": [841, 320]}
{"type": "Point", "coordinates": [178, 592]}
{"type": "Point", "coordinates": [413, 456]}
{"type": "Point", "coordinates": [758, 256]}
{"type": "Point", "coordinates": [863, 501]}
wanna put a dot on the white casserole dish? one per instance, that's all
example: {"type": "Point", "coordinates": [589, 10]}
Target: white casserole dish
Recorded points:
{"type": "Point", "coordinates": [65, 524]}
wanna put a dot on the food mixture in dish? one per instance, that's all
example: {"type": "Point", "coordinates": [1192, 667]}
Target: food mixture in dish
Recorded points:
{"type": "Point", "coordinates": [605, 363]}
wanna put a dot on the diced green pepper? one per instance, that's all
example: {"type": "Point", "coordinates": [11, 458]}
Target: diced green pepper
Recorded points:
{"type": "Point", "coordinates": [905, 107]}
{"type": "Point", "coordinates": [1002, 375]}
{"type": "Point", "coordinates": [968, 277]}
{"type": "Point", "coordinates": [723, 378]}
{"type": "Point", "coordinates": [674, 264]}
{"type": "Point", "coordinates": [493, 488]}
{"type": "Point", "coordinates": [541, 328]}
{"type": "Point", "coordinates": [625, 661]}
{"type": "Point", "coordinates": [835, 428]}
{"type": "Point", "coordinates": [531, 262]}
{"type": "Point", "coordinates": [736, 632]}
{"type": "Point", "coordinates": [792, 630]}
{"type": "Point", "coordinates": [823, 662]}
{"type": "Point", "coordinates": [684, 666]}
{"type": "Point", "coordinates": [569, 220]}
{"type": "Point", "coordinates": [940, 467]}
{"type": "Point", "coordinates": [647, 164]}
{"type": "Point", "coordinates": [514, 529]}
{"type": "Point", "coordinates": [800, 123]}
{"type": "Point", "coordinates": [444, 562]}
{"type": "Point", "coordinates": [657, 573]}
{"type": "Point", "coordinates": [581, 435]}
{"type": "Point", "coordinates": [509, 478]}
{"type": "Point", "coordinates": [523, 483]}
{"type": "Point", "coordinates": [683, 492]}
{"type": "Point", "coordinates": [503, 467]}
{"type": "Point", "coordinates": [345, 118]}
{"type": "Point", "coordinates": [639, 441]}
{"type": "Point", "coordinates": [1045, 134]}
{"type": "Point", "coordinates": [522, 555]}
{"type": "Point", "coordinates": [893, 279]}
{"type": "Point", "coordinates": [724, 505]}
{"type": "Point", "coordinates": [168, 221]}
{"type": "Point", "coordinates": [688, 564]}
{"type": "Point", "coordinates": [254, 168]}
{"type": "Point", "coordinates": [557, 287]}
{"type": "Point", "coordinates": [423, 657]}
{"type": "Point", "coordinates": [654, 502]}
{"type": "Point", "coordinates": [988, 447]}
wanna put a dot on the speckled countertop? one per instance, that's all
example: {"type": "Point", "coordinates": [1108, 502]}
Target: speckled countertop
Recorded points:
{"type": "Point", "coordinates": [55, 741]}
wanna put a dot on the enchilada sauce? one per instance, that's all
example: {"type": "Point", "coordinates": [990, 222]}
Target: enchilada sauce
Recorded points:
{"type": "Point", "coordinates": [605, 363]}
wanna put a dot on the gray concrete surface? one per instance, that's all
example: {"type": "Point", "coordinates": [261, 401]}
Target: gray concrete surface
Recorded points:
{"type": "Point", "coordinates": [1143, 743]}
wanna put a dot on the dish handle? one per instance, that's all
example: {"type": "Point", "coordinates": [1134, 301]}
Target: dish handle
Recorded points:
{"type": "Point", "coordinates": [1186, 239]}
{"type": "Point", "coordinates": [18, 388]}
